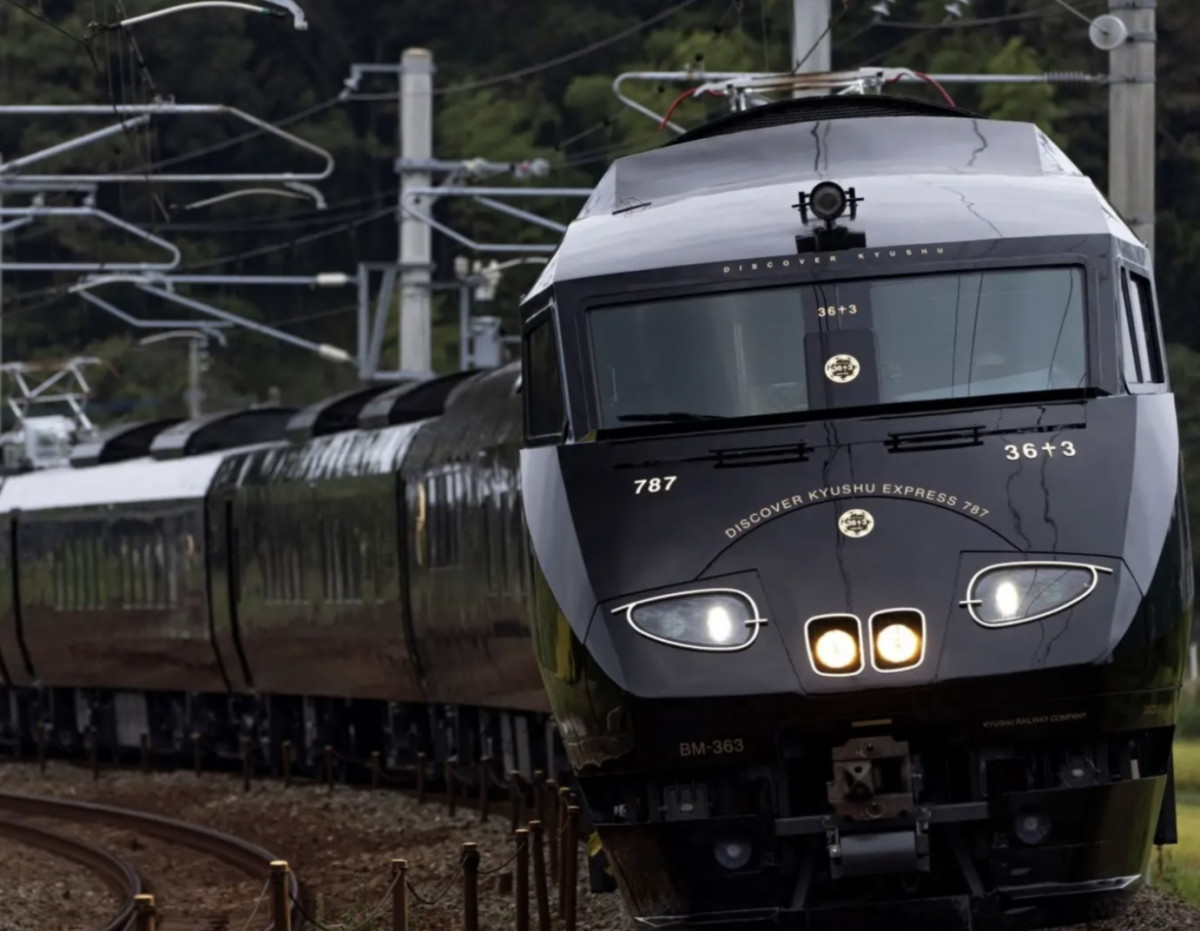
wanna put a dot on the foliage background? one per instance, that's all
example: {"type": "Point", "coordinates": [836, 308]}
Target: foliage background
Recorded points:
{"type": "Point", "coordinates": [565, 113]}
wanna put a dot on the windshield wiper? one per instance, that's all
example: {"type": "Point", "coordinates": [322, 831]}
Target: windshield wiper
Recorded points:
{"type": "Point", "coordinates": [669, 417]}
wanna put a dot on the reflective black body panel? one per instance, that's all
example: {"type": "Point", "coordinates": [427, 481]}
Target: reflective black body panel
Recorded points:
{"type": "Point", "coordinates": [1011, 771]}
{"type": "Point", "coordinates": [467, 560]}
{"type": "Point", "coordinates": [315, 559]}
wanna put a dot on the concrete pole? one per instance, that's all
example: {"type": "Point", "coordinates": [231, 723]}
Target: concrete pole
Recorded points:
{"type": "Point", "coordinates": [416, 144]}
{"type": "Point", "coordinates": [810, 19]}
{"type": "Point", "coordinates": [1131, 121]}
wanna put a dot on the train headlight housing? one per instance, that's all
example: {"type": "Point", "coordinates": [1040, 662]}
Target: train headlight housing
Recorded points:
{"type": "Point", "coordinates": [897, 639]}
{"type": "Point", "coordinates": [714, 619]}
{"type": "Point", "coordinates": [1019, 592]}
{"type": "Point", "coordinates": [834, 644]}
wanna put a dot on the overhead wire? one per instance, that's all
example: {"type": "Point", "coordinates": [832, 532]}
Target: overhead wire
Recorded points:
{"type": "Point", "coordinates": [991, 20]}
{"type": "Point", "coordinates": [280, 246]}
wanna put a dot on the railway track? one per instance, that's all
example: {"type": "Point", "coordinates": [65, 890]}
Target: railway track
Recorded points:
{"type": "Point", "coordinates": [115, 872]}
{"type": "Point", "coordinates": [241, 855]}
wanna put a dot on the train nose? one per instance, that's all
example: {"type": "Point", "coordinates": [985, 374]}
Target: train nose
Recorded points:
{"type": "Point", "coordinates": [872, 592]}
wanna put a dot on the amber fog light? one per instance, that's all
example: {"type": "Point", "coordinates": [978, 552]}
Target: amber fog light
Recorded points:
{"type": "Point", "coordinates": [897, 639]}
{"type": "Point", "coordinates": [834, 644]}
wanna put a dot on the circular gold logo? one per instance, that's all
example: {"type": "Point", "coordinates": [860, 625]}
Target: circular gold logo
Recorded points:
{"type": "Point", "coordinates": [856, 523]}
{"type": "Point", "coordinates": [842, 368]}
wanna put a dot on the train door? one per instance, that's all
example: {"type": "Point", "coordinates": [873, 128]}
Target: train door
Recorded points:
{"type": "Point", "coordinates": [15, 666]}
{"type": "Point", "coordinates": [224, 587]}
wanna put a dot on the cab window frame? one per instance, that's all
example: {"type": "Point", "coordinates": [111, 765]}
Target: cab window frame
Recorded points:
{"type": "Point", "coordinates": [1141, 332]}
{"type": "Point", "coordinates": [612, 300]}
{"type": "Point", "coordinates": [532, 389]}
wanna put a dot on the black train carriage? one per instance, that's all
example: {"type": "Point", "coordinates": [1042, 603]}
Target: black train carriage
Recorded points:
{"type": "Point", "coordinates": [105, 617]}
{"type": "Point", "coordinates": [863, 509]}
{"type": "Point", "coordinates": [373, 570]}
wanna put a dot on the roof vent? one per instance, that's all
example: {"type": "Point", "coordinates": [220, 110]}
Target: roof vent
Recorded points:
{"type": "Point", "coordinates": [226, 430]}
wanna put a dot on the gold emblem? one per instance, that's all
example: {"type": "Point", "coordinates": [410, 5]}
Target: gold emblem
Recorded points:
{"type": "Point", "coordinates": [856, 523]}
{"type": "Point", "coordinates": [842, 369]}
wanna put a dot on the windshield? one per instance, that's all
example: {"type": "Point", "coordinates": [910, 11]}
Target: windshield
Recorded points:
{"type": "Point", "coordinates": [867, 341]}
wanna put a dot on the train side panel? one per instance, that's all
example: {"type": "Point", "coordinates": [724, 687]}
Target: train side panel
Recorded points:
{"type": "Point", "coordinates": [467, 551]}
{"type": "Point", "coordinates": [318, 576]}
{"type": "Point", "coordinates": [111, 575]}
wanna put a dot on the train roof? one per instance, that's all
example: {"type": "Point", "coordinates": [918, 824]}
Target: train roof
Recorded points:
{"type": "Point", "coordinates": [923, 176]}
{"type": "Point", "coordinates": [337, 454]}
{"type": "Point", "coordinates": [129, 482]}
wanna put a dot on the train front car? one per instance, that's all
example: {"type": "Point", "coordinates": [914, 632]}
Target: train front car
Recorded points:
{"type": "Point", "coordinates": [862, 574]}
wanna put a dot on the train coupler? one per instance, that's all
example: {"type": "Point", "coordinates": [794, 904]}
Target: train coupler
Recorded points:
{"type": "Point", "coordinates": [876, 781]}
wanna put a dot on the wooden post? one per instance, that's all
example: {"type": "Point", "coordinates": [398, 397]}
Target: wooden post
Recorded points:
{"type": "Point", "coordinates": [285, 752]}
{"type": "Point", "coordinates": [514, 798]}
{"type": "Point", "coordinates": [329, 767]}
{"type": "Point", "coordinates": [143, 913]}
{"type": "Point", "coordinates": [421, 778]}
{"type": "Point", "coordinates": [144, 749]}
{"type": "Point", "coordinates": [566, 891]}
{"type": "Point", "coordinates": [470, 864]}
{"type": "Point", "coordinates": [451, 784]}
{"type": "Point", "coordinates": [41, 745]}
{"type": "Point", "coordinates": [552, 823]}
{"type": "Point", "coordinates": [94, 751]}
{"type": "Point", "coordinates": [399, 895]}
{"type": "Point", "coordinates": [540, 891]}
{"type": "Point", "coordinates": [245, 762]}
{"type": "Point", "coordinates": [485, 779]}
{"type": "Point", "coordinates": [281, 912]}
{"type": "Point", "coordinates": [196, 753]}
{"type": "Point", "coordinates": [374, 769]}
{"type": "Point", "coordinates": [522, 882]}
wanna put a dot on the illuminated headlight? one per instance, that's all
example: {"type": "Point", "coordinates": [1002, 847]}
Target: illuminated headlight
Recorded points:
{"type": "Point", "coordinates": [1020, 592]}
{"type": "Point", "coordinates": [710, 619]}
{"type": "Point", "coordinates": [897, 639]}
{"type": "Point", "coordinates": [834, 644]}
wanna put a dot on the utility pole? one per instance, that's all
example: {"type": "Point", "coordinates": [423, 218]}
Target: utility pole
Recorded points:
{"type": "Point", "coordinates": [416, 253]}
{"type": "Point", "coordinates": [810, 19]}
{"type": "Point", "coordinates": [1131, 120]}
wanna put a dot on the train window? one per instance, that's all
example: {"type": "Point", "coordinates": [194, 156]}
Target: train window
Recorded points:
{"type": "Point", "coordinates": [979, 333]}
{"type": "Point", "coordinates": [545, 409]}
{"type": "Point", "coordinates": [1140, 309]}
{"type": "Point", "coordinates": [442, 506]}
{"type": "Point", "coordinates": [919, 338]}
{"type": "Point", "coordinates": [281, 553]}
{"type": "Point", "coordinates": [342, 556]}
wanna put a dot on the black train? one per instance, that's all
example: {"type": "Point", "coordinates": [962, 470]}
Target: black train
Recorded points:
{"type": "Point", "coordinates": [853, 483]}
{"type": "Point", "coordinates": [860, 574]}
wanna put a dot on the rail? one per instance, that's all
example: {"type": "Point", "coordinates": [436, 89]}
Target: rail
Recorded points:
{"type": "Point", "coordinates": [115, 872]}
{"type": "Point", "coordinates": [240, 854]}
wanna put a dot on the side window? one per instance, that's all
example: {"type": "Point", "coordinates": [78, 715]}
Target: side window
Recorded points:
{"type": "Point", "coordinates": [1129, 340]}
{"type": "Point", "coordinates": [1143, 296]}
{"type": "Point", "coordinates": [443, 504]}
{"type": "Point", "coordinates": [1139, 326]}
{"type": "Point", "coordinates": [545, 410]}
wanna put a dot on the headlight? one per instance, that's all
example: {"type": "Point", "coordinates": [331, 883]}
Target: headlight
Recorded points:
{"type": "Point", "coordinates": [834, 644]}
{"type": "Point", "coordinates": [897, 639]}
{"type": "Point", "coordinates": [710, 619]}
{"type": "Point", "coordinates": [1020, 592]}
